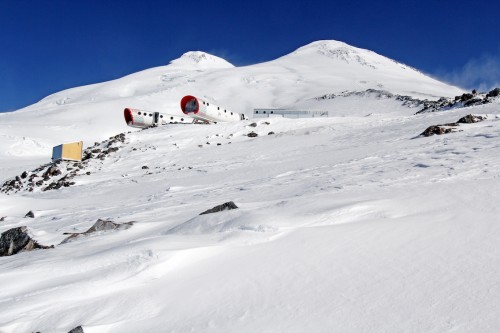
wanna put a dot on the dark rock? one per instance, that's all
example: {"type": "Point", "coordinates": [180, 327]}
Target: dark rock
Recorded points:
{"type": "Point", "coordinates": [52, 171]}
{"type": "Point", "coordinates": [46, 177]}
{"type": "Point", "coordinates": [88, 173]}
{"type": "Point", "coordinates": [96, 151]}
{"type": "Point", "coordinates": [252, 134]}
{"type": "Point", "coordinates": [24, 175]}
{"type": "Point", "coordinates": [219, 144]}
{"type": "Point", "coordinates": [144, 167]}
{"type": "Point", "coordinates": [253, 125]}
{"type": "Point", "coordinates": [2, 218]}
{"type": "Point", "coordinates": [100, 225]}
{"type": "Point", "coordinates": [473, 101]}
{"type": "Point", "coordinates": [494, 93]}
{"type": "Point", "coordinates": [78, 329]}
{"type": "Point", "coordinates": [225, 206]}
{"type": "Point", "coordinates": [266, 123]}
{"type": "Point", "coordinates": [112, 149]}
{"type": "Point", "coordinates": [86, 156]}
{"type": "Point", "coordinates": [469, 119]}
{"type": "Point", "coordinates": [436, 130]}
{"type": "Point", "coordinates": [39, 183]}
{"type": "Point", "coordinates": [466, 97]}
{"type": "Point", "coordinates": [270, 133]}
{"type": "Point", "coordinates": [30, 214]}
{"type": "Point", "coordinates": [52, 186]}
{"type": "Point", "coordinates": [16, 240]}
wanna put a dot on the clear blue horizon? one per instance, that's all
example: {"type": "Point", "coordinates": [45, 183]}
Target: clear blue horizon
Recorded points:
{"type": "Point", "coordinates": [49, 46]}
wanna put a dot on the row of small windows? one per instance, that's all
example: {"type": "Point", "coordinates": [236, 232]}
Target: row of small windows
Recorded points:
{"type": "Point", "coordinates": [182, 119]}
{"type": "Point", "coordinates": [161, 116]}
{"type": "Point", "coordinates": [264, 112]}
{"type": "Point", "coordinates": [225, 111]}
{"type": "Point", "coordinates": [218, 108]}
{"type": "Point", "coordinates": [144, 113]}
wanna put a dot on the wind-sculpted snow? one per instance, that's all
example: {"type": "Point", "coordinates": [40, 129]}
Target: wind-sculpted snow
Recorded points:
{"type": "Point", "coordinates": [344, 224]}
{"type": "Point", "coordinates": [340, 222]}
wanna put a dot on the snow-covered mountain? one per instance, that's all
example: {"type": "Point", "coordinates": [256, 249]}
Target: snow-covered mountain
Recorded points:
{"type": "Point", "coordinates": [95, 112]}
{"type": "Point", "coordinates": [351, 223]}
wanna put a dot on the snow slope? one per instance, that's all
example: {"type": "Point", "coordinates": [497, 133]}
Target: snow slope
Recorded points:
{"type": "Point", "coordinates": [350, 223]}
{"type": "Point", "coordinates": [95, 112]}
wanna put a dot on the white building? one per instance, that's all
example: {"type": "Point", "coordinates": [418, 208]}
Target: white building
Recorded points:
{"type": "Point", "coordinates": [287, 113]}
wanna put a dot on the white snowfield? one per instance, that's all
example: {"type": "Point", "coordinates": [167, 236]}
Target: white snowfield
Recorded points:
{"type": "Point", "coordinates": [350, 223]}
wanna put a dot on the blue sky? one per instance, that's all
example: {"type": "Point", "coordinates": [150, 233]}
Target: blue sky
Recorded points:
{"type": "Point", "coordinates": [48, 46]}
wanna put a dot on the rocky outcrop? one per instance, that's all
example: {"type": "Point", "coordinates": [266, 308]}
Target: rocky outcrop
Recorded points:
{"type": "Point", "coordinates": [493, 93]}
{"type": "Point", "coordinates": [78, 329]}
{"type": "Point", "coordinates": [59, 174]}
{"type": "Point", "coordinates": [30, 214]}
{"type": "Point", "coordinates": [464, 100]}
{"type": "Point", "coordinates": [225, 206]}
{"type": "Point", "coordinates": [451, 127]}
{"type": "Point", "coordinates": [16, 240]}
{"type": "Point", "coordinates": [470, 118]}
{"type": "Point", "coordinates": [100, 225]}
{"type": "Point", "coordinates": [438, 130]}
{"type": "Point", "coordinates": [252, 134]}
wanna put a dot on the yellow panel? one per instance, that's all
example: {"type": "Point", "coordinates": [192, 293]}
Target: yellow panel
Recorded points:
{"type": "Point", "coordinates": [72, 151]}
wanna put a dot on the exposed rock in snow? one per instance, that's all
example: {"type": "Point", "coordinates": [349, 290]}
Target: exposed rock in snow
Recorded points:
{"type": "Point", "coordinates": [470, 118]}
{"type": "Point", "coordinates": [220, 208]}
{"type": "Point", "coordinates": [451, 127]}
{"type": "Point", "coordinates": [30, 214]}
{"type": "Point", "coordinates": [425, 106]}
{"type": "Point", "coordinates": [60, 174]}
{"type": "Point", "coordinates": [252, 134]}
{"type": "Point", "coordinates": [439, 129]}
{"type": "Point", "coordinates": [78, 329]}
{"type": "Point", "coordinates": [100, 225]}
{"type": "Point", "coordinates": [16, 240]}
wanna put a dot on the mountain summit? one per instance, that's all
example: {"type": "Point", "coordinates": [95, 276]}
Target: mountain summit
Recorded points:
{"type": "Point", "coordinates": [200, 60]}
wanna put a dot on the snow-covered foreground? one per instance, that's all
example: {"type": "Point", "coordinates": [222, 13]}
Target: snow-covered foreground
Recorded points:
{"type": "Point", "coordinates": [346, 224]}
